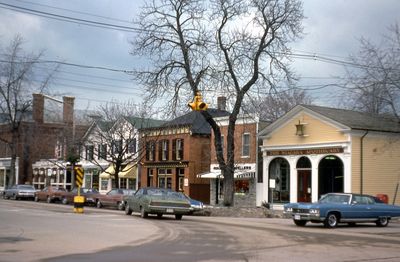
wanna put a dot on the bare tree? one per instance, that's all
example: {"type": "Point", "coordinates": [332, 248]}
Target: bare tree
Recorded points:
{"type": "Point", "coordinates": [228, 46]}
{"type": "Point", "coordinates": [18, 80]}
{"type": "Point", "coordinates": [374, 84]}
{"type": "Point", "coordinates": [272, 106]}
{"type": "Point", "coordinates": [114, 138]}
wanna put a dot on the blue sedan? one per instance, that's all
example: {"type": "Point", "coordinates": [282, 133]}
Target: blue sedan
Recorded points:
{"type": "Point", "coordinates": [334, 208]}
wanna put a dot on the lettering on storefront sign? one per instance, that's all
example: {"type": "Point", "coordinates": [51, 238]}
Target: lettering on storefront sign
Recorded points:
{"type": "Point", "coordinates": [305, 152]}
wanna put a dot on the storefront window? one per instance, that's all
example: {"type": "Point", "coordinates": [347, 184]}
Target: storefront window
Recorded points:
{"type": "Point", "coordinates": [241, 187]}
{"type": "Point", "coordinates": [104, 184]}
{"type": "Point", "coordinates": [165, 178]}
{"type": "Point", "coordinates": [279, 170]}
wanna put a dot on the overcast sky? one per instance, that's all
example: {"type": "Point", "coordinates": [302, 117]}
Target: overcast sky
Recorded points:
{"type": "Point", "coordinates": [332, 29]}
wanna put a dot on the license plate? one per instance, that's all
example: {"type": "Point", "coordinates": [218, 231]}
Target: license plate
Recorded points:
{"type": "Point", "coordinates": [297, 217]}
{"type": "Point", "coordinates": [170, 210]}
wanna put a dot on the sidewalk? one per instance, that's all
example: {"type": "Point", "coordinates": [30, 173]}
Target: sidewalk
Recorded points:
{"type": "Point", "coordinates": [250, 212]}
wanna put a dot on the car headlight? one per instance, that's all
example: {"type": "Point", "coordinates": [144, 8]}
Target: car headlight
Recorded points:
{"type": "Point", "coordinates": [314, 211]}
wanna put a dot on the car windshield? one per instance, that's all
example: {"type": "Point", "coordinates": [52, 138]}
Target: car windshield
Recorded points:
{"type": "Point", "coordinates": [161, 192]}
{"type": "Point", "coordinates": [333, 198]}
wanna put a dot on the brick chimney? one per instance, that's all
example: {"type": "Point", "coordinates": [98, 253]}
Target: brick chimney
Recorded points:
{"type": "Point", "coordinates": [221, 103]}
{"type": "Point", "coordinates": [68, 109]}
{"type": "Point", "coordinates": [38, 108]}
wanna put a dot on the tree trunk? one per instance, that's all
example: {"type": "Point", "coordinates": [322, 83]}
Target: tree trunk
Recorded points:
{"type": "Point", "coordinates": [229, 185]}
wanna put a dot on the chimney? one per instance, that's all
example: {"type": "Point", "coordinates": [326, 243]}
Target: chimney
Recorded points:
{"type": "Point", "coordinates": [68, 109]}
{"type": "Point", "coordinates": [38, 108]}
{"type": "Point", "coordinates": [221, 103]}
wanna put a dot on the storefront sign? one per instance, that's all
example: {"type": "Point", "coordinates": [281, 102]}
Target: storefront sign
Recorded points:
{"type": "Point", "coordinates": [318, 151]}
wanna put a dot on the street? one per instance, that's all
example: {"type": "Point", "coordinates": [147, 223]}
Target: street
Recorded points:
{"type": "Point", "coordinates": [31, 231]}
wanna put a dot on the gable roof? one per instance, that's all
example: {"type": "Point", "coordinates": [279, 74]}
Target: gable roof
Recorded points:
{"type": "Point", "coordinates": [140, 122]}
{"type": "Point", "coordinates": [358, 120]}
{"type": "Point", "coordinates": [196, 120]}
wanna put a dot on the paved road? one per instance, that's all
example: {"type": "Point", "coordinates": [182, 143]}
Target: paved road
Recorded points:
{"type": "Point", "coordinates": [50, 232]}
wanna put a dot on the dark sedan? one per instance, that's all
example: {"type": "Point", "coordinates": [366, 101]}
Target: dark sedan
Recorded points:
{"type": "Point", "coordinates": [20, 191]}
{"type": "Point", "coordinates": [335, 208]}
{"type": "Point", "coordinates": [158, 201]}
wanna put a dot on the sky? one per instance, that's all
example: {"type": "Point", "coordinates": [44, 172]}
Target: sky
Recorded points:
{"type": "Point", "coordinates": [332, 28]}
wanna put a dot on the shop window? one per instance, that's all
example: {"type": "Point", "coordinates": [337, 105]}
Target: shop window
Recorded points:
{"type": "Point", "coordinates": [241, 187]}
{"type": "Point", "coordinates": [104, 184]}
{"type": "Point", "coordinates": [150, 177]}
{"type": "Point", "coordinates": [165, 178]}
{"type": "Point", "coordinates": [246, 145]}
{"type": "Point", "coordinates": [279, 170]}
{"type": "Point", "coordinates": [122, 183]}
{"type": "Point", "coordinates": [181, 178]}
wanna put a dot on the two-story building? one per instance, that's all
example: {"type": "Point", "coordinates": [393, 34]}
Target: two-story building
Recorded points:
{"type": "Point", "coordinates": [315, 150]}
{"type": "Point", "coordinates": [46, 138]}
{"type": "Point", "coordinates": [176, 152]}
{"type": "Point", "coordinates": [248, 161]}
{"type": "Point", "coordinates": [101, 144]}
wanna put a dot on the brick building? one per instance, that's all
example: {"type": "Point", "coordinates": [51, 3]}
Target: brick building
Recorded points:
{"type": "Point", "coordinates": [43, 135]}
{"type": "Point", "coordinates": [248, 161]}
{"type": "Point", "coordinates": [176, 152]}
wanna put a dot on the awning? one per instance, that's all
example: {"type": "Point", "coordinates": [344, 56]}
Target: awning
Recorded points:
{"type": "Point", "coordinates": [237, 175]}
{"type": "Point", "coordinates": [110, 171]}
{"type": "Point", "coordinates": [130, 171]}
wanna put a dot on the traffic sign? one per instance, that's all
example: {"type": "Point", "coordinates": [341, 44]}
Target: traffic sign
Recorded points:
{"type": "Point", "coordinates": [78, 176]}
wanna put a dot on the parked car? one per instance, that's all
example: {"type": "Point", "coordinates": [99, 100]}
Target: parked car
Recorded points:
{"type": "Point", "coordinates": [113, 198]}
{"type": "Point", "coordinates": [195, 204]}
{"type": "Point", "coordinates": [50, 194]}
{"type": "Point", "coordinates": [20, 191]}
{"type": "Point", "coordinates": [158, 201]}
{"type": "Point", "coordinates": [90, 195]}
{"type": "Point", "coordinates": [335, 208]}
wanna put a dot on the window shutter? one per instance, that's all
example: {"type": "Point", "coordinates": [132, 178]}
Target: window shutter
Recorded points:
{"type": "Point", "coordinates": [181, 150]}
{"type": "Point", "coordinates": [160, 150]}
{"type": "Point", "coordinates": [174, 149]}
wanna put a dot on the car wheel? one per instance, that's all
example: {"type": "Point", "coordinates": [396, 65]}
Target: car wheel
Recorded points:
{"type": "Point", "coordinates": [178, 216]}
{"type": "Point", "coordinates": [15, 197]}
{"type": "Point", "coordinates": [121, 206]}
{"type": "Point", "coordinates": [331, 220]}
{"type": "Point", "coordinates": [36, 199]}
{"type": "Point", "coordinates": [300, 223]}
{"type": "Point", "coordinates": [48, 199]}
{"type": "Point", "coordinates": [143, 214]}
{"type": "Point", "coordinates": [98, 204]}
{"type": "Point", "coordinates": [382, 222]}
{"type": "Point", "coordinates": [5, 197]}
{"type": "Point", "coordinates": [128, 210]}
{"type": "Point", "coordinates": [159, 215]}
{"type": "Point", "coordinates": [64, 201]}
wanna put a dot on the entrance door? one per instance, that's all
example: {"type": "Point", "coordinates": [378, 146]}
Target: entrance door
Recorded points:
{"type": "Point", "coordinates": [304, 185]}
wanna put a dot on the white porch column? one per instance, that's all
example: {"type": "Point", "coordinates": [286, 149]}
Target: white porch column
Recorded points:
{"type": "Point", "coordinates": [314, 178]}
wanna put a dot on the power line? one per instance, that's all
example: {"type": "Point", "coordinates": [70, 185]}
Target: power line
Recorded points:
{"type": "Point", "coordinates": [68, 18]}
{"type": "Point", "coordinates": [74, 11]}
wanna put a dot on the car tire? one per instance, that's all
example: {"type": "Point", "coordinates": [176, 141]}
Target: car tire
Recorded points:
{"type": "Point", "coordinates": [178, 216]}
{"type": "Point", "coordinates": [121, 206]}
{"type": "Point", "coordinates": [48, 200]}
{"type": "Point", "coordinates": [64, 201]}
{"type": "Point", "coordinates": [143, 214]}
{"type": "Point", "coordinates": [159, 216]}
{"type": "Point", "coordinates": [128, 210]}
{"type": "Point", "coordinates": [331, 220]}
{"type": "Point", "coordinates": [99, 204]}
{"type": "Point", "coordinates": [300, 223]}
{"type": "Point", "coordinates": [36, 199]}
{"type": "Point", "coordinates": [14, 197]}
{"type": "Point", "coordinates": [5, 197]}
{"type": "Point", "coordinates": [382, 222]}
